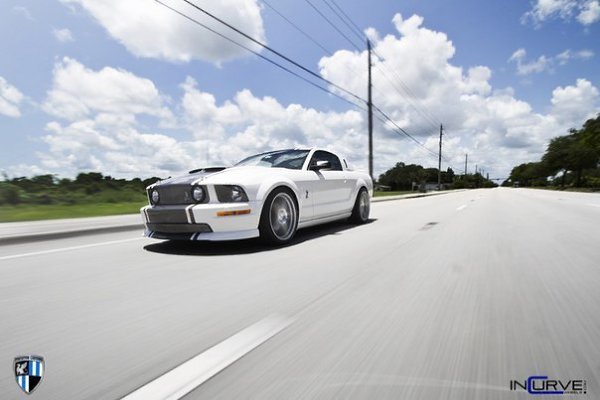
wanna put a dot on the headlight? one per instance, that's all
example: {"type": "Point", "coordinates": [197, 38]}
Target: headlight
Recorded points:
{"type": "Point", "coordinates": [154, 197]}
{"type": "Point", "coordinates": [230, 194]}
{"type": "Point", "coordinates": [198, 194]}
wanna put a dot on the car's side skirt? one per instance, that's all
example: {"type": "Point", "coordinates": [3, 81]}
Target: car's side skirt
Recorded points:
{"type": "Point", "coordinates": [323, 220]}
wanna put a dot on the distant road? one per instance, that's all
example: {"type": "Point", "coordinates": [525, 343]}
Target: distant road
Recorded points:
{"type": "Point", "coordinates": [443, 297]}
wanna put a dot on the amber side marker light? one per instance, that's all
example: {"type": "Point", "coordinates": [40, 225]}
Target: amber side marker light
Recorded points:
{"type": "Point", "coordinates": [228, 213]}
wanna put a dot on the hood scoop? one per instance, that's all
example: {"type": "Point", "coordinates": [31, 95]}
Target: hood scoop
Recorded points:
{"type": "Point", "coordinates": [207, 170]}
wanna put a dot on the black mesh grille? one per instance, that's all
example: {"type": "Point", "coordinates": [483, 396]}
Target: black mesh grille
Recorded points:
{"type": "Point", "coordinates": [167, 216]}
{"type": "Point", "coordinates": [179, 228]}
{"type": "Point", "coordinates": [175, 194]}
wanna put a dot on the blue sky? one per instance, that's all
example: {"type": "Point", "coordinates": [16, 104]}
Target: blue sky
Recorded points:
{"type": "Point", "coordinates": [80, 91]}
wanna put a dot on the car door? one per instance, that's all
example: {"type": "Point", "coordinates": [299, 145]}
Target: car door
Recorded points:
{"type": "Point", "coordinates": [331, 187]}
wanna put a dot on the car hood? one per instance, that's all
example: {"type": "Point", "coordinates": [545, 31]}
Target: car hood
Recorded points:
{"type": "Point", "coordinates": [232, 175]}
{"type": "Point", "coordinates": [185, 179]}
{"type": "Point", "coordinates": [243, 175]}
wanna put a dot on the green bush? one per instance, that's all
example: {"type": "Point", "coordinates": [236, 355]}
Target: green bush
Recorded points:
{"type": "Point", "coordinates": [10, 194]}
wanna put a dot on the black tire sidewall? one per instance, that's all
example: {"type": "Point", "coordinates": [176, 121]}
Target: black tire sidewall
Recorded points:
{"type": "Point", "coordinates": [356, 217]}
{"type": "Point", "coordinates": [264, 226]}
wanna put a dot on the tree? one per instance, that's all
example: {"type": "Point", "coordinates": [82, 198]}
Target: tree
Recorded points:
{"type": "Point", "coordinates": [574, 152]}
{"type": "Point", "coordinates": [402, 176]}
{"type": "Point", "coordinates": [528, 174]}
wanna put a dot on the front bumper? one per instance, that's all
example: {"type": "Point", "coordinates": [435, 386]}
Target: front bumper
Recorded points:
{"type": "Point", "coordinates": [212, 221]}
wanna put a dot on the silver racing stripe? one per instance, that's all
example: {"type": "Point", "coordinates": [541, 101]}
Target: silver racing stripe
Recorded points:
{"type": "Point", "coordinates": [188, 214]}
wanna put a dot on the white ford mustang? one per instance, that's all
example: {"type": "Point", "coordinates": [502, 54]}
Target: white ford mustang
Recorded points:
{"type": "Point", "coordinates": [270, 195]}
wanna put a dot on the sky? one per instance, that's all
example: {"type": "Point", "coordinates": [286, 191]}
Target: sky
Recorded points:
{"type": "Point", "coordinates": [134, 89]}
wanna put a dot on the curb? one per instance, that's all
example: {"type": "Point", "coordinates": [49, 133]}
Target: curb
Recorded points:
{"type": "Point", "coordinates": [412, 196]}
{"type": "Point", "coordinates": [36, 237]}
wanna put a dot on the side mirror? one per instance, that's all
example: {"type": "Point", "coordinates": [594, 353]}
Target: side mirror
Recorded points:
{"type": "Point", "coordinates": [319, 165]}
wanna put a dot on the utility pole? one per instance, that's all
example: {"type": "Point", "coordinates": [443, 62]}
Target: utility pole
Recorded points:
{"type": "Point", "coordinates": [466, 159]}
{"type": "Point", "coordinates": [370, 111]}
{"type": "Point", "coordinates": [440, 160]}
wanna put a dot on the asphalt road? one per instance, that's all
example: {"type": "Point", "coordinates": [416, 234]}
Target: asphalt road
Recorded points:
{"type": "Point", "coordinates": [443, 297]}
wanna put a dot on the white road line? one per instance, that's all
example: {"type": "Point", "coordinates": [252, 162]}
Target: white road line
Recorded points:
{"type": "Point", "coordinates": [461, 207]}
{"type": "Point", "coordinates": [186, 377]}
{"type": "Point", "coordinates": [593, 205]}
{"type": "Point", "coordinates": [84, 246]}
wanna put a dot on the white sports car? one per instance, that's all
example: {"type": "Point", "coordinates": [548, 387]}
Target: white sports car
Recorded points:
{"type": "Point", "coordinates": [270, 195]}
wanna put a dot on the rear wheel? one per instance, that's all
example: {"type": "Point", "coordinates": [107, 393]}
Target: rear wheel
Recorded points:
{"type": "Point", "coordinates": [279, 217]}
{"type": "Point", "coordinates": [362, 207]}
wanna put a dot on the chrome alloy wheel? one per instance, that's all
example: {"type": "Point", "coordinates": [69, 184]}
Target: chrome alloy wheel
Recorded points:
{"type": "Point", "coordinates": [282, 216]}
{"type": "Point", "coordinates": [364, 205]}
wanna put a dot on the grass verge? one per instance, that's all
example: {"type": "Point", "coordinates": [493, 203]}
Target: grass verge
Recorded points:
{"type": "Point", "coordinates": [383, 194]}
{"type": "Point", "coordinates": [39, 212]}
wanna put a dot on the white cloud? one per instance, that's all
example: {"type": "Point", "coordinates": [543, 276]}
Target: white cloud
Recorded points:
{"type": "Point", "coordinates": [99, 128]}
{"type": "Point", "coordinates": [571, 104]}
{"type": "Point", "coordinates": [10, 98]}
{"type": "Point", "coordinates": [497, 129]}
{"type": "Point", "coordinates": [586, 12]}
{"type": "Point", "coordinates": [546, 63]}
{"type": "Point", "coordinates": [63, 35]}
{"type": "Point", "coordinates": [567, 55]}
{"type": "Point", "coordinates": [545, 9]}
{"type": "Point", "coordinates": [584, 54]}
{"type": "Point", "coordinates": [23, 12]}
{"type": "Point", "coordinates": [79, 92]}
{"type": "Point", "coordinates": [148, 29]}
{"type": "Point", "coordinates": [590, 12]}
{"type": "Point", "coordinates": [248, 124]}
{"type": "Point", "coordinates": [526, 68]}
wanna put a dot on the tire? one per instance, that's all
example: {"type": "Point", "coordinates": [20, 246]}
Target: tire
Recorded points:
{"type": "Point", "coordinates": [279, 217]}
{"type": "Point", "coordinates": [362, 207]}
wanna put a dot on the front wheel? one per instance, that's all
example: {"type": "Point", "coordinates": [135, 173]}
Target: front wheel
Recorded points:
{"type": "Point", "coordinates": [362, 207]}
{"type": "Point", "coordinates": [279, 217]}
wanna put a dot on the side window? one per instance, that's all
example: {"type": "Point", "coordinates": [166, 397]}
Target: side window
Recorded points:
{"type": "Point", "coordinates": [321, 155]}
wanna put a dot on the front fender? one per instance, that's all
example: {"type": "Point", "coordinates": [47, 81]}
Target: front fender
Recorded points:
{"type": "Point", "coordinates": [270, 184]}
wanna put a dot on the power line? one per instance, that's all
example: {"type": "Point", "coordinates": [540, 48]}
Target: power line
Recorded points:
{"type": "Point", "coordinates": [424, 150]}
{"type": "Point", "coordinates": [284, 68]}
{"type": "Point", "coordinates": [357, 31]}
{"type": "Point", "coordinates": [403, 131]}
{"type": "Point", "coordinates": [309, 37]}
{"type": "Point", "coordinates": [277, 53]}
{"type": "Point", "coordinates": [356, 28]}
{"type": "Point", "coordinates": [317, 43]}
{"type": "Point", "coordinates": [359, 34]}
{"type": "Point", "coordinates": [409, 101]}
{"type": "Point", "coordinates": [333, 25]}
{"type": "Point", "coordinates": [409, 93]}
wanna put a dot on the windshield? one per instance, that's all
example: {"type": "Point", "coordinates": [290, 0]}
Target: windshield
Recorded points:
{"type": "Point", "coordinates": [291, 159]}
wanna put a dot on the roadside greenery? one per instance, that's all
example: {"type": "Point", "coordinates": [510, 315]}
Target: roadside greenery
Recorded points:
{"type": "Point", "coordinates": [391, 193]}
{"type": "Point", "coordinates": [89, 194]}
{"type": "Point", "coordinates": [30, 212]}
{"type": "Point", "coordinates": [570, 161]}
{"type": "Point", "coordinates": [413, 177]}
